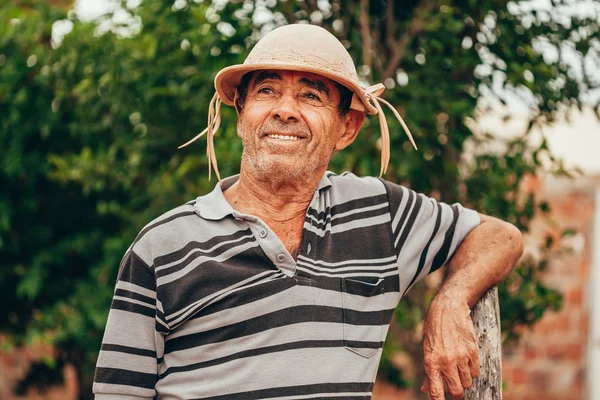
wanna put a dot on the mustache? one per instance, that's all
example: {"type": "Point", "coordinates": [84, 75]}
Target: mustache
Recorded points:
{"type": "Point", "coordinates": [272, 125]}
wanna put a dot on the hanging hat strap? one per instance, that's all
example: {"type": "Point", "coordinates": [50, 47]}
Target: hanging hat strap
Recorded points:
{"type": "Point", "coordinates": [399, 118]}
{"type": "Point", "coordinates": [212, 128]}
{"type": "Point", "coordinates": [373, 93]}
{"type": "Point", "coordinates": [214, 121]}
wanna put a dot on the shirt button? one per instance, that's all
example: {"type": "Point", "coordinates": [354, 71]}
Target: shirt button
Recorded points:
{"type": "Point", "coordinates": [262, 233]}
{"type": "Point", "coordinates": [280, 258]}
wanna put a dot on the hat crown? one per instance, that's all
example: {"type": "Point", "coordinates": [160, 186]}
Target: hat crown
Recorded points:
{"type": "Point", "coordinates": [306, 44]}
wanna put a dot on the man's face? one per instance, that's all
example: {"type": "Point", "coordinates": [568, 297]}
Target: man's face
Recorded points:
{"type": "Point", "coordinates": [290, 124]}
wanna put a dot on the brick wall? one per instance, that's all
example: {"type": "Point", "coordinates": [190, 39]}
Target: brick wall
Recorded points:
{"type": "Point", "coordinates": [550, 360]}
{"type": "Point", "coordinates": [14, 366]}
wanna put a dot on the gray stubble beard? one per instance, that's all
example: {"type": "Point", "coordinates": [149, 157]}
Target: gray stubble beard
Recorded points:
{"type": "Point", "coordinates": [265, 168]}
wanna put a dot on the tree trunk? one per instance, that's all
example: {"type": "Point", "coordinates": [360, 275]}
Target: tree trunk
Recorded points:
{"type": "Point", "coordinates": [486, 318]}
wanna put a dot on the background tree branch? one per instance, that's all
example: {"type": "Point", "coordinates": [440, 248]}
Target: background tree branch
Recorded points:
{"type": "Point", "coordinates": [398, 46]}
{"type": "Point", "coordinates": [366, 34]}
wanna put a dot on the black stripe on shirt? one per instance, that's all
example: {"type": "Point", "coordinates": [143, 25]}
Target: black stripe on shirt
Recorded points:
{"type": "Point", "coordinates": [116, 376]}
{"type": "Point", "coordinates": [347, 206]}
{"type": "Point", "coordinates": [394, 198]}
{"type": "Point", "coordinates": [132, 308]}
{"type": "Point", "coordinates": [128, 350]}
{"type": "Point", "coordinates": [409, 223]}
{"type": "Point", "coordinates": [423, 257]}
{"type": "Point", "coordinates": [203, 247]}
{"type": "Point", "coordinates": [135, 296]}
{"type": "Point", "coordinates": [356, 243]}
{"type": "Point", "coordinates": [241, 298]}
{"type": "Point", "coordinates": [191, 309]}
{"type": "Point", "coordinates": [279, 318]}
{"type": "Point", "coordinates": [373, 264]}
{"type": "Point", "coordinates": [354, 274]}
{"type": "Point", "coordinates": [134, 270]}
{"type": "Point", "coordinates": [409, 201]}
{"type": "Point", "coordinates": [391, 283]}
{"type": "Point", "coordinates": [299, 390]}
{"type": "Point", "coordinates": [249, 265]}
{"type": "Point", "coordinates": [200, 253]}
{"type": "Point", "coordinates": [442, 255]}
{"type": "Point", "coordinates": [350, 218]}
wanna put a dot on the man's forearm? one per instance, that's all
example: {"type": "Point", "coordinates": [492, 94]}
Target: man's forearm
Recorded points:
{"type": "Point", "coordinates": [485, 257]}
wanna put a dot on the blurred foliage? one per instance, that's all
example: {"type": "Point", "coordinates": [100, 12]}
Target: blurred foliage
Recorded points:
{"type": "Point", "coordinates": [90, 126]}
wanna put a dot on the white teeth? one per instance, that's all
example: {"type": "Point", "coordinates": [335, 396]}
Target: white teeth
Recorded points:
{"type": "Point", "coordinates": [282, 137]}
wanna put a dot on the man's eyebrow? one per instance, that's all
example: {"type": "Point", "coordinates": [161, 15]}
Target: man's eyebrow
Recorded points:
{"type": "Point", "coordinates": [315, 84]}
{"type": "Point", "coordinates": [264, 75]}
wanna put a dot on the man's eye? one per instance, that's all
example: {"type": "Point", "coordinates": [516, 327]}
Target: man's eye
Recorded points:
{"type": "Point", "coordinates": [311, 96]}
{"type": "Point", "coordinates": [265, 90]}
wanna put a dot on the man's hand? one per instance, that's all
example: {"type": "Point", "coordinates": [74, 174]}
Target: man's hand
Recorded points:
{"type": "Point", "coordinates": [451, 352]}
{"type": "Point", "coordinates": [484, 258]}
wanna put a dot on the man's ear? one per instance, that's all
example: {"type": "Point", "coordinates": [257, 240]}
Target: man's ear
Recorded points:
{"type": "Point", "coordinates": [354, 122]}
{"type": "Point", "coordinates": [236, 105]}
{"type": "Point", "coordinates": [238, 111]}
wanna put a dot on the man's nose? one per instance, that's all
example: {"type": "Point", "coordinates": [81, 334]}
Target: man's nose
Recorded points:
{"type": "Point", "coordinates": [286, 109]}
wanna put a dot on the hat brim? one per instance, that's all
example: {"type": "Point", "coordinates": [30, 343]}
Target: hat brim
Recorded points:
{"type": "Point", "coordinates": [228, 79]}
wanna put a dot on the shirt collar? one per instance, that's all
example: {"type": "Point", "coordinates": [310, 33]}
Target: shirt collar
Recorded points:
{"type": "Point", "coordinates": [214, 206]}
{"type": "Point", "coordinates": [325, 183]}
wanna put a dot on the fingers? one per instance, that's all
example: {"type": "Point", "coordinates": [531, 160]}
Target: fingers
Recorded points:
{"type": "Point", "coordinates": [425, 387]}
{"type": "Point", "coordinates": [453, 380]}
{"type": "Point", "coordinates": [464, 374]}
{"type": "Point", "coordinates": [436, 385]}
{"type": "Point", "coordinates": [457, 379]}
{"type": "Point", "coordinates": [458, 376]}
{"type": "Point", "coordinates": [474, 363]}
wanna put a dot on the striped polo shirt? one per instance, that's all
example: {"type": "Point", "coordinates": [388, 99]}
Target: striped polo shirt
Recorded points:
{"type": "Point", "coordinates": [210, 304]}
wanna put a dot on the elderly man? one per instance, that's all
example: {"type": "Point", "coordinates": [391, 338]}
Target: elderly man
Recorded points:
{"type": "Point", "coordinates": [281, 283]}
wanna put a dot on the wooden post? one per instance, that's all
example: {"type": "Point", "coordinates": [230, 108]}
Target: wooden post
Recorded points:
{"type": "Point", "coordinates": [486, 318]}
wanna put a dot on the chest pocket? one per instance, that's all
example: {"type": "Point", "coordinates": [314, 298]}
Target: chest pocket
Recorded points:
{"type": "Point", "coordinates": [362, 303]}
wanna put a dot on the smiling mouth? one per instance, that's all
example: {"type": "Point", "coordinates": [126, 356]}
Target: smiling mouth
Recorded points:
{"type": "Point", "coordinates": [283, 137]}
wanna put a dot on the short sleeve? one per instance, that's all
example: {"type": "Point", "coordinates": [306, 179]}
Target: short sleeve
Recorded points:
{"type": "Point", "coordinates": [127, 365]}
{"type": "Point", "coordinates": [426, 233]}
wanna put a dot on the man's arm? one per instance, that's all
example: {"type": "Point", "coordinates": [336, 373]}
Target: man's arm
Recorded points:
{"type": "Point", "coordinates": [127, 366]}
{"type": "Point", "coordinates": [485, 257]}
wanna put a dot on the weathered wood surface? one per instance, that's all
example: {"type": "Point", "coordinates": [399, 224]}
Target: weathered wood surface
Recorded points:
{"type": "Point", "coordinates": [486, 318]}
